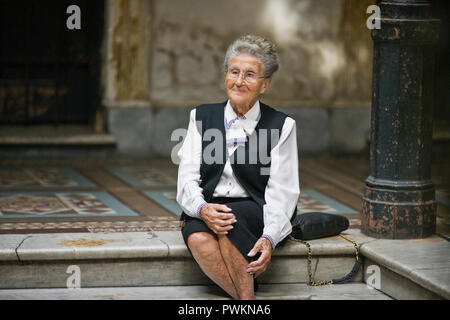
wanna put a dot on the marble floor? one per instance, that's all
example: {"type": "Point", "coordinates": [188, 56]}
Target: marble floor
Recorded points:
{"type": "Point", "coordinates": [126, 195]}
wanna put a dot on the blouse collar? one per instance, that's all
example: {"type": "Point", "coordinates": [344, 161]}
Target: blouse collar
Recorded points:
{"type": "Point", "coordinates": [238, 129]}
{"type": "Point", "coordinates": [249, 120]}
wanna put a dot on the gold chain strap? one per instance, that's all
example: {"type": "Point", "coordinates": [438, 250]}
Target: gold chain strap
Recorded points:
{"type": "Point", "coordinates": [312, 282]}
{"type": "Point", "coordinates": [354, 244]}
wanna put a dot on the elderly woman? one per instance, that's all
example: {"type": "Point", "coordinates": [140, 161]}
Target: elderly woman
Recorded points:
{"type": "Point", "coordinates": [237, 208]}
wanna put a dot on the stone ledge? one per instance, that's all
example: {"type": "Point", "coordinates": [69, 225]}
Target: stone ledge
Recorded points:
{"type": "Point", "coordinates": [423, 261]}
{"type": "Point", "coordinates": [397, 286]}
{"type": "Point", "coordinates": [157, 258]}
{"type": "Point", "coordinates": [80, 246]}
{"type": "Point", "coordinates": [158, 244]}
{"type": "Point", "coordinates": [8, 245]}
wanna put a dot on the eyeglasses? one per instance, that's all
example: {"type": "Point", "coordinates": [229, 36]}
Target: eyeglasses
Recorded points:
{"type": "Point", "coordinates": [248, 76]}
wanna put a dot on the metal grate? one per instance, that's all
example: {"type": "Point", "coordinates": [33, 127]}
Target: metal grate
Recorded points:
{"type": "Point", "coordinates": [48, 73]}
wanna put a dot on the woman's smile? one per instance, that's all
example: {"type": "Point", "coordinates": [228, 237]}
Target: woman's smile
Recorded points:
{"type": "Point", "coordinates": [237, 90]}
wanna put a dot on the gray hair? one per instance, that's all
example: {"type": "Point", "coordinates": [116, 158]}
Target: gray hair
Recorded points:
{"type": "Point", "coordinates": [261, 48]}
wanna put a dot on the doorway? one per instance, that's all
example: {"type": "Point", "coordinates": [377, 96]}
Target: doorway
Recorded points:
{"type": "Point", "coordinates": [49, 75]}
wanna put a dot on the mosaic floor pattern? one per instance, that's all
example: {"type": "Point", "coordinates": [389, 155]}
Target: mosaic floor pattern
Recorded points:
{"type": "Point", "coordinates": [309, 201]}
{"type": "Point", "coordinates": [151, 224]}
{"type": "Point", "coordinates": [61, 204]}
{"type": "Point", "coordinates": [143, 176]}
{"type": "Point", "coordinates": [42, 177]}
{"type": "Point", "coordinates": [133, 195]}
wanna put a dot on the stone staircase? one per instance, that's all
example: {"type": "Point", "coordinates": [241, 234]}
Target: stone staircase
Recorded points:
{"type": "Point", "coordinates": [157, 265]}
{"type": "Point", "coordinates": [55, 141]}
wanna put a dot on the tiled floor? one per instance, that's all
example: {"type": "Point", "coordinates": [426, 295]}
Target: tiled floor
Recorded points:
{"type": "Point", "coordinates": [123, 194]}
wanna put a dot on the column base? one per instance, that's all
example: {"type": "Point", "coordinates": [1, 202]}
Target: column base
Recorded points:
{"type": "Point", "coordinates": [398, 214]}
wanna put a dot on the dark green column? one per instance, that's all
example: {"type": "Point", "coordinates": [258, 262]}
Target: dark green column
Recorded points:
{"type": "Point", "coordinates": [399, 196]}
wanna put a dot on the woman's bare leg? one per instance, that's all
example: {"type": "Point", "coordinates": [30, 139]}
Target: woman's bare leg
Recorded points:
{"type": "Point", "coordinates": [206, 251]}
{"type": "Point", "coordinates": [237, 267]}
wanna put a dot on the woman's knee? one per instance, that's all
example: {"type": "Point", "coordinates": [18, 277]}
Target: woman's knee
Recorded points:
{"type": "Point", "coordinates": [202, 242]}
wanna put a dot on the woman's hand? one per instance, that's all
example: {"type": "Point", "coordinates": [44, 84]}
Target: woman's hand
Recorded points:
{"type": "Point", "coordinates": [218, 217]}
{"type": "Point", "coordinates": [257, 267]}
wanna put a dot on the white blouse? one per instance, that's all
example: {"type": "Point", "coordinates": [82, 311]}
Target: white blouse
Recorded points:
{"type": "Point", "coordinates": [282, 190]}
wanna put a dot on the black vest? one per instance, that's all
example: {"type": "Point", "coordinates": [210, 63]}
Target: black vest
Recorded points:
{"type": "Point", "coordinates": [247, 161]}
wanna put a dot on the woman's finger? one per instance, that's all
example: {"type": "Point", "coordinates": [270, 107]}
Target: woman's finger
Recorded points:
{"type": "Point", "coordinates": [216, 211]}
{"type": "Point", "coordinates": [254, 250]}
{"type": "Point", "coordinates": [219, 229]}
{"type": "Point", "coordinates": [260, 265]}
{"type": "Point", "coordinates": [258, 270]}
{"type": "Point", "coordinates": [263, 259]}
{"type": "Point", "coordinates": [214, 216]}
{"type": "Point", "coordinates": [225, 216]}
{"type": "Point", "coordinates": [224, 223]}
{"type": "Point", "coordinates": [224, 208]}
{"type": "Point", "coordinates": [220, 207]}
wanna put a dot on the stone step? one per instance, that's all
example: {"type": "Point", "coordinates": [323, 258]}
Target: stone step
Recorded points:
{"type": "Point", "coordinates": [409, 269]}
{"type": "Point", "coordinates": [296, 291]}
{"type": "Point", "coordinates": [405, 269]}
{"type": "Point", "coordinates": [158, 258]}
{"type": "Point", "coordinates": [50, 142]}
{"type": "Point", "coordinates": [47, 135]}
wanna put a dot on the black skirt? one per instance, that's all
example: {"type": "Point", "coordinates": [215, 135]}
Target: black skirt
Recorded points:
{"type": "Point", "coordinates": [246, 231]}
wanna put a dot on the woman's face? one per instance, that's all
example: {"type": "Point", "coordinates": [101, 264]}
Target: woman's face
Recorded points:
{"type": "Point", "coordinates": [245, 88]}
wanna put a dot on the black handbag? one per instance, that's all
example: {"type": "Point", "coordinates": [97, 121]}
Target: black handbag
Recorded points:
{"type": "Point", "coordinates": [315, 225]}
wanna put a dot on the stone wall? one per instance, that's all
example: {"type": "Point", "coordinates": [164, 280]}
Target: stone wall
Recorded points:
{"type": "Point", "coordinates": [325, 49]}
{"type": "Point", "coordinates": [168, 54]}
